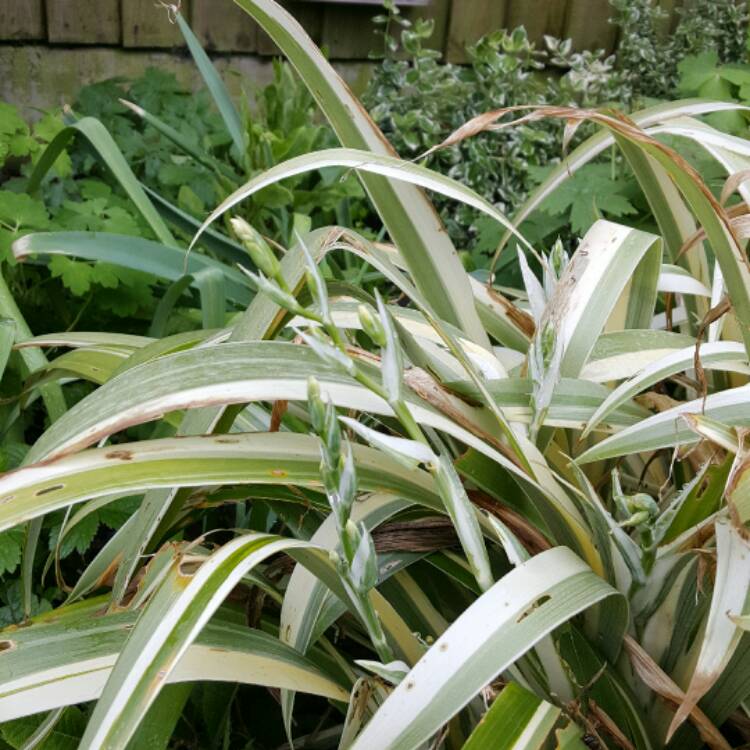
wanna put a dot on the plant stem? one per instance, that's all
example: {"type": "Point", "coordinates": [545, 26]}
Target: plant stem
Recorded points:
{"type": "Point", "coordinates": [375, 629]}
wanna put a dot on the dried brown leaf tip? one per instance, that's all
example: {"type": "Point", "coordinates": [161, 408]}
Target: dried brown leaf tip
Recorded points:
{"type": "Point", "coordinates": [662, 684]}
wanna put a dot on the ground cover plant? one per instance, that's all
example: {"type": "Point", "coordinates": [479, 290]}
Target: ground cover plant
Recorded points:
{"type": "Point", "coordinates": [417, 101]}
{"type": "Point", "coordinates": [378, 513]}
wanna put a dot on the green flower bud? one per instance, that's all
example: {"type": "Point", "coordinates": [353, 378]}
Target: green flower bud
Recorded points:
{"type": "Point", "coordinates": [347, 488]}
{"type": "Point", "coordinates": [338, 509]}
{"type": "Point", "coordinates": [641, 502]}
{"type": "Point", "coordinates": [316, 284]}
{"type": "Point", "coordinates": [558, 258]}
{"type": "Point", "coordinates": [636, 519]}
{"type": "Point", "coordinates": [335, 558]}
{"type": "Point", "coordinates": [391, 360]}
{"type": "Point", "coordinates": [258, 249]}
{"type": "Point", "coordinates": [363, 569]}
{"type": "Point", "coordinates": [316, 406]}
{"type": "Point", "coordinates": [547, 342]}
{"type": "Point", "coordinates": [353, 535]}
{"type": "Point", "coordinates": [332, 435]}
{"type": "Point", "coordinates": [371, 325]}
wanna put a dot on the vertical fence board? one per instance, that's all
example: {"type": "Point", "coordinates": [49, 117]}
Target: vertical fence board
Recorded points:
{"type": "Point", "coordinates": [224, 29]}
{"type": "Point", "coordinates": [587, 24]}
{"type": "Point", "coordinates": [145, 24]}
{"type": "Point", "coordinates": [348, 32]}
{"type": "Point", "coordinates": [83, 21]}
{"type": "Point", "coordinates": [539, 17]}
{"type": "Point", "coordinates": [21, 19]}
{"type": "Point", "coordinates": [437, 11]}
{"type": "Point", "coordinates": [471, 19]}
{"type": "Point", "coordinates": [343, 26]}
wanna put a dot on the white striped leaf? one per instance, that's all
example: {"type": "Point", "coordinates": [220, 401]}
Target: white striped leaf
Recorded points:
{"type": "Point", "coordinates": [583, 301]}
{"type": "Point", "coordinates": [82, 339]}
{"type": "Point", "coordinates": [171, 621]}
{"type": "Point", "coordinates": [574, 402]}
{"type": "Point", "coordinates": [492, 633]}
{"type": "Point", "coordinates": [69, 660]}
{"type": "Point", "coordinates": [239, 373]}
{"type": "Point", "coordinates": [280, 458]}
{"type": "Point", "coordinates": [593, 280]}
{"type": "Point", "coordinates": [723, 355]}
{"type": "Point", "coordinates": [668, 428]}
{"type": "Point", "coordinates": [715, 432]}
{"type": "Point", "coordinates": [387, 166]}
{"type": "Point", "coordinates": [677, 280]}
{"type": "Point", "coordinates": [516, 720]}
{"type": "Point", "coordinates": [409, 217]}
{"type": "Point", "coordinates": [722, 635]}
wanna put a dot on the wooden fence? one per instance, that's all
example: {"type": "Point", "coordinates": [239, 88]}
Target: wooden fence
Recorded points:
{"type": "Point", "coordinates": [343, 27]}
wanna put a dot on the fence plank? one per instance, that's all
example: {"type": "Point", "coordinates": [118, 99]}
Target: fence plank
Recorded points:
{"type": "Point", "coordinates": [471, 19]}
{"type": "Point", "coordinates": [437, 11]}
{"type": "Point", "coordinates": [348, 31]}
{"type": "Point", "coordinates": [587, 24]}
{"type": "Point", "coordinates": [343, 25]}
{"type": "Point", "coordinates": [144, 24]}
{"type": "Point", "coordinates": [226, 28]}
{"type": "Point", "coordinates": [21, 20]}
{"type": "Point", "coordinates": [83, 21]}
{"type": "Point", "coordinates": [539, 17]}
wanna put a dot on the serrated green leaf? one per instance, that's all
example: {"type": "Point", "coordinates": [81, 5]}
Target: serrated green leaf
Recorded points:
{"type": "Point", "coordinates": [696, 71]}
{"type": "Point", "coordinates": [75, 275]}
{"type": "Point", "coordinates": [10, 120]}
{"type": "Point", "coordinates": [586, 195]}
{"type": "Point", "coordinates": [21, 210]}
{"type": "Point", "coordinates": [11, 546]}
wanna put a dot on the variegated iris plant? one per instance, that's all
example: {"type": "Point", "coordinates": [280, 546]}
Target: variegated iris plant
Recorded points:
{"type": "Point", "coordinates": [527, 505]}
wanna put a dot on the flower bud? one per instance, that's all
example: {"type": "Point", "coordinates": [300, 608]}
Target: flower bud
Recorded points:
{"type": "Point", "coordinates": [548, 342]}
{"type": "Point", "coordinates": [558, 258]}
{"type": "Point", "coordinates": [316, 284]}
{"type": "Point", "coordinates": [347, 489]}
{"type": "Point", "coordinates": [353, 535]}
{"type": "Point", "coordinates": [391, 361]}
{"type": "Point", "coordinates": [332, 435]}
{"type": "Point", "coordinates": [371, 325]}
{"type": "Point", "coordinates": [258, 249]}
{"type": "Point", "coordinates": [335, 558]}
{"type": "Point", "coordinates": [363, 570]}
{"type": "Point", "coordinates": [315, 404]}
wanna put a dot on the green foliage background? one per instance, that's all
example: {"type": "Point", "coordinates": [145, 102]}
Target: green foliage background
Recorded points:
{"type": "Point", "coordinates": [417, 100]}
